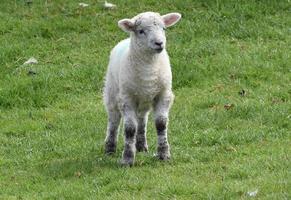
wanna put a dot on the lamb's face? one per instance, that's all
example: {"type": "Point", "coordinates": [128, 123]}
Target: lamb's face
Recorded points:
{"type": "Point", "coordinates": [148, 30]}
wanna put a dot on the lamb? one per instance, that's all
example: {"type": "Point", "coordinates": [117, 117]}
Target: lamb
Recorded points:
{"type": "Point", "coordinates": [139, 79]}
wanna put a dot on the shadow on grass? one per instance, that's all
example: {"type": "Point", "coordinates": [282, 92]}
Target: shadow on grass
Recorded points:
{"type": "Point", "coordinates": [94, 162]}
{"type": "Point", "coordinates": [75, 166]}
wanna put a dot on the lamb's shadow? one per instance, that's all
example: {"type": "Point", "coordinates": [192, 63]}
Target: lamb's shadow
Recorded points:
{"type": "Point", "coordinates": [77, 166]}
{"type": "Point", "coordinates": [94, 161]}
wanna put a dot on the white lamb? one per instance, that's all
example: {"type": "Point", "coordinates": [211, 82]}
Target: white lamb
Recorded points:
{"type": "Point", "coordinates": [139, 78]}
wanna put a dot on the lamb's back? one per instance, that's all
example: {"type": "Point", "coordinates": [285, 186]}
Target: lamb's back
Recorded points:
{"type": "Point", "coordinates": [117, 57]}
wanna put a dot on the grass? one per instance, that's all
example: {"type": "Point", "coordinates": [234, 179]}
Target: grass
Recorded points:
{"type": "Point", "coordinates": [230, 123]}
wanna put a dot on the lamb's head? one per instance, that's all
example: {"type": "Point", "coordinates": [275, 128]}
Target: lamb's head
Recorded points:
{"type": "Point", "coordinates": [147, 30]}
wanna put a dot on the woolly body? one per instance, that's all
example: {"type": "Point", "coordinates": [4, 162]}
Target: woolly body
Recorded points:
{"type": "Point", "coordinates": [139, 78]}
{"type": "Point", "coordinates": [142, 79]}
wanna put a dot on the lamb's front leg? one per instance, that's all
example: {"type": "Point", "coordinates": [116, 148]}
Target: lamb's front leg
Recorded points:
{"type": "Point", "coordinates": [130, 128]}
{"type": "Point", "coordinates": [161, 111]}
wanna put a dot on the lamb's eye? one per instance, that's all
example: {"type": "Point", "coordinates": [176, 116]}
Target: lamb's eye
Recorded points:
{"type": "Point", "coordinates": [164, 28]}
{"type": "Point", "coordinates": [141, 32]}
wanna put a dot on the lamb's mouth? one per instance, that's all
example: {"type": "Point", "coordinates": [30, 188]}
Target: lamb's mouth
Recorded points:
{"type": "Point", "coordinates": [159, 50]}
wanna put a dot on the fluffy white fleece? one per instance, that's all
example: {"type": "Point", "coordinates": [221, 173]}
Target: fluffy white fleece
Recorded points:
{"type": "Point", "coordinates": [139, 78]}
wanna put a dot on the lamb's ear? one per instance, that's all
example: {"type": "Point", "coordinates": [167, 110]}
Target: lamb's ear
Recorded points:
{"type": "Point", "coordinates": [126, 24]}
{"type": "Point", "coordinates": [171, 19]}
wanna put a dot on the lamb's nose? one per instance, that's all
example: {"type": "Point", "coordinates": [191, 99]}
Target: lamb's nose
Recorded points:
{"type": "Point", "coordinates": [159, 44]}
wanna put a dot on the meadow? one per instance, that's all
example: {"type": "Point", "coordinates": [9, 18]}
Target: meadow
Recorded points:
{"type": "Point", "coordinates": [230, 123]}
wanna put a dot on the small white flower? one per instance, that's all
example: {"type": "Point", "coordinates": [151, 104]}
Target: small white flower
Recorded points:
{"type": "Point", "coordinates": [83, 5]}
{"type": "Point", "coordinates": [253, 193]}
{"type": "Point", "coordinates": [109, 5]}
{"type": "Point", "coordinates": [31, 60]}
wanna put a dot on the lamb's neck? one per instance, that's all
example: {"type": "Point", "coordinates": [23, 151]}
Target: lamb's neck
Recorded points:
{"type": "Point", "coordinates": [143, 58]}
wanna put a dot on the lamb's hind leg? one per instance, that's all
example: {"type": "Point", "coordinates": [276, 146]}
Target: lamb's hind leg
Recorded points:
{"type": "Point", "coordinates": [112, 131]}
{"type": "Point", "coordinates": [141, 141]}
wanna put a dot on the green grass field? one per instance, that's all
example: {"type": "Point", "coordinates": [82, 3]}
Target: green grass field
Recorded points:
{"type": "Point", "coordinates": [230, 123]}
